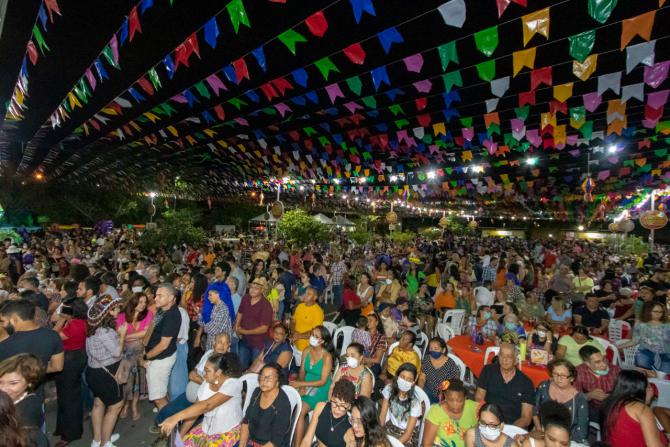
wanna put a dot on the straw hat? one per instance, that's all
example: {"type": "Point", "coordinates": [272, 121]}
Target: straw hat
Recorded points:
{"type": "Point", "coordinates": [262, 282]}
{"type": "Point", "coordinates": [101, 308]}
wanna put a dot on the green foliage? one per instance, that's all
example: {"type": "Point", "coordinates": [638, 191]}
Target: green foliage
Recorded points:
{"type": "Point", "coordinates": [298, 227]}
{"type": "Point", "coordinates": [175, 227]}
{"type": "Point", "coordinates": [402, 237]}
{"type": "Point", "coordinates": [431, 233]}
{"type": "Point", "coordinates": [9, 233]}
{"type": "Point", "coordinates": [361, 237]}
{"type": "Point", "coordinates": [459, 226]}
{"type": "Point", "coordinates": [628, 245]}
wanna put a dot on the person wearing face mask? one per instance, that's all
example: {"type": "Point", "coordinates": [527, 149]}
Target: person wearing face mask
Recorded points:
{"type": "Point", "coordinates": [541, 337]}
{"type": "Point", "coordinates": [436, 367]}
{"type": "Point", "coordinates": [448, 421]}
{"type": "Point", "coordinates": [401, 407]}
{"type": "Point", "coordinates": [355, 371]}
{"type": "Point", "coordinates": [306, 317]}
{"type": "Point", "coordinates": [484, 323]}
{"type": "Point", "coordinates": [488, 433]}
{"type": "Point", "coordinates": [595, 378]}
{"type": "Point", "coordinates": [314, 379]}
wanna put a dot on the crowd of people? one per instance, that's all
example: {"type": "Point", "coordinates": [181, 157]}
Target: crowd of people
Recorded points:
{"type": "Point", "coordinates": [233, 343]}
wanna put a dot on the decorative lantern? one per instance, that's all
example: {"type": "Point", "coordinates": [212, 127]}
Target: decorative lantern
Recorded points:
{"type": "Point", "coordinates": [277, 209]}
{"type": "Point", "coordinates": [391, 218]}
{"type": "Point", "coordinates": [444, 222]}
{"type": "Point", "coordinates": [473, 224]}
{"type": "Point", "coordinates": [626, 226]}
{"type": "Point", "coordinates": [653, 220]}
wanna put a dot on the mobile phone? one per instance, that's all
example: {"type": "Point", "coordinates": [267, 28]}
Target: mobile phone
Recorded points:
{"type": "Point", "coordinates": [66, 310]}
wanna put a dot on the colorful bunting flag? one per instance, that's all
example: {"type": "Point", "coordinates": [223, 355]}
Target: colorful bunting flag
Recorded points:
{"type": "Point", "coordinates": [535, 23]}
{"type": "Point", "coordinates": [317, 24]}
{"type": "Point", "coordinates": [581, 45]}
{"type": "Point", "coordinates": [523, 58]}
{"type": "Point", "coordinates": [487, 40]}
{"type": "Point", "coordinates": [238, 15]}
{"type": "Point", "coordinates": [453, 13]}
{"type": "Point", "coordinates": [290, 38]}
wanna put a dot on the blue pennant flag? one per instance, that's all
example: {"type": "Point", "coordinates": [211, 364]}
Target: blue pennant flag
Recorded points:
{"type": "Point", "coordinates": [146, 4]}
{"type": "Point", "coordinates": [451, 113]}
{"type": "Point", "coordinates": [208, 117]}
{"type": "Point", "coordinates": [211, 32]}
{"type": "Point", "coordinates": [252, 95]}
{"type": "Point", "coordinates": [136, 95]}
{"type": "Point", "coordinates": [372, 113]}
{"type": "Point", "coordinates": [190, 97]}
{"type": "Point", "coordinates": [381, 127]}
{"type": "Point", "coordinates": [299, 100]}
{"type": "Point", "coordinates": [361, 6]}
{"type": "Point", "coordinates": [102, 73]}
{"type": "Point", "coordinates": [169, 66]}
{"type": "Point", "coordinates": [300, 77]}
{"type": "Point", "coordinates": [379, 76]}
{"type": "Point", "coordinates": [123, 32]}
{"type": "Point", "coordinates": [229, 71]}
{"type": "Point", "coordinates": [388, 37]}
{"type": "Point", "coordinates": [259, 54]}
{"type": "Point", "coordinates": [325, 127]}
{"type": "Point", "coordinates": [313, 97]}
{"type": "Point", "coordinates": [451, 97]}
{"type": "Point", "coordinates": [42, 14]}
{"type": "Point", "coordinates": [391, 94]}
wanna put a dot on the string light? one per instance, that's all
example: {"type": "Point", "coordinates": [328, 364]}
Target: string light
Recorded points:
{"type": "Point", "coordinates": [431, 174]}
{"type": "Point", "coordinates": [612, 149]}
{"type": "Point", "coordinates": [531, 161]}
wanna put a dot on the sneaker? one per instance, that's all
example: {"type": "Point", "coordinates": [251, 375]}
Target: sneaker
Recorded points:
{"type": "Point", "coordinates": [154, 429]}
{"type": "Point", "coordinates": [115, 437]}
{"type": "Point", "coordinates": [109, 444]}
{"type": "Point", "coordinates": [95, 443]}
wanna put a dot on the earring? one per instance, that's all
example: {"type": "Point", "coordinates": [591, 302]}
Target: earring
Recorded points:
{"type": "Point", "coordinates": [216, 382]}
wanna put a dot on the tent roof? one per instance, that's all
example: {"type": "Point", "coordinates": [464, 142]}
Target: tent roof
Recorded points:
{"type": "Point", "coordinates": [323, 219]}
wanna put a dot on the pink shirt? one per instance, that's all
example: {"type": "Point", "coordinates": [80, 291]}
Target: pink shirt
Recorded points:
{"type": "Point", "coordinates": [142, 325]}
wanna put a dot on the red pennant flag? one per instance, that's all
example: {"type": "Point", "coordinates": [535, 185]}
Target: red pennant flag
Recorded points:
{"type": "Point", "coordinates": [557, 106]}
{"type": "Point", "coordinates": [180, 56]}
{"type": "Point", "coordinates": [295, 136]}
{"type": "Point", "coordinates": [527, 98]}
{"type": "Point", "coordinates": [52, 6]}
{"type": "Point", "coordinates": [282, 85]}
{"type": "Point", "coordinates": [192, 44]}
{"type": "Point", "coordinates": [32, 52]}
{"type": "Point", "coordinates": [220, 113]}
{"type": "Point", "coordinates": [241, 70]}
{"type": "Point", "coordinates": [653, 114]}
{"type": "Point", "coordinates": [355, 53]}
{"type": "Point", "coordinates": [503, 4]}
{"type": "Point", "coordinates": [317, 24]}
{"type": "Point", "coordinates": [424, 120]}
{"type": "Point", "coordinates": [146, 86]}
{"type": "Point", "coordinates": [269, 91]}
{"type": "Point", "coordinates": [540, 76]}
{"type": "Point", "coordinates": [95, 124]}
{"type": "Point", "coordinates": [421, 104]}
{"type": "Point", "coordinates": [134, 23]}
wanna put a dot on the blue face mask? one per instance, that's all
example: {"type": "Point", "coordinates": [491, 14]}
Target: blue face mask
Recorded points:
{"type": "Point", "coordinates": [510, 326]}
{"type": "Point", "coordinates": [602, 372]}
{"type": "Point", "coordinates": [435, 354]}
{"type": "Point", "coordinates": [487, 315]}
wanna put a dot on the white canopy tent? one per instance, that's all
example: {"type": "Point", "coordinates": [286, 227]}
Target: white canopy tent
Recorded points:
{"type": "Point", "coordinates": [323, 219]}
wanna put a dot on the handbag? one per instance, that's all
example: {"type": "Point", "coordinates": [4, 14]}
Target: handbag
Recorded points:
{"type": "Point", "coordinates": [123, 371]}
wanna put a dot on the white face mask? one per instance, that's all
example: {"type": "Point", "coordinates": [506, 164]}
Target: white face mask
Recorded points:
{"type": "Point", "coordinates": [313, 341]}
{"type": "Point", "coordinates": [541, 334]}
{"type": "Point", "coordinates": [137, 289]}
{"type": "Point", "coordinates": [21, 289]}
{"type": "Point", "coordinates": [352, 362]}
{"type": "Point", "coordinates": [404, 385]}
{"type": "Point", "coordinates": [489, 433]}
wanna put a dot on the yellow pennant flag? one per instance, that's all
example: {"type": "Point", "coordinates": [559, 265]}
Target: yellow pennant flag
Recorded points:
{"type": "Point", "coordinates": [547, 119]}
{"type": "Point", "coordinates": [466, 155]}
{"type": "Point", "coordinates": [584, 70]}
{"type": "Point", "coordinates": [439, 129]}
{"type": "Point", "coordinates": [560, 135]}
{"type": "Point", "coordinates": [535, 23]}
{"type": "Point", "coordinates": [173, 131]}
{"type": "Point", "coordinates": [73, 100]}
{"type": "Point", "coordinates": [523, 58]}
{"type": "Point", "coordinates": [563, 92]}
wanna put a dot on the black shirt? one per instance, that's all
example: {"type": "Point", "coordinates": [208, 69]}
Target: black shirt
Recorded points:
{"type": "Point", "coordinates": [168, 325]}
{"type": "Point", "coordinates": [592, 319]}
{"type": "Point", "coordinates": [508, 396]}
{"type": "Point", "coordinates": [272, 424]}
{"type": "Point", "coordinates": [329, 430]}
{"type": "Point", "coordinates": [41, 342]}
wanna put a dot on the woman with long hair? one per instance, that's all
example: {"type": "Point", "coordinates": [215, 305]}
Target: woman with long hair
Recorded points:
{"type": "Point", "coordinates": [489, 431]}
{"type": "Point", "coordinates": [652, 335]}
{"type": "Point", "coordinates": [555, 422]}
{"type": "Point", "coordinates": [368, 432]}
{"type": "Point", "coordinates": [136, 319]}
{"type": "Point", "coordinates": [192, 299]}
{"type": "Point", "coordinates": [378, 345]}
{"type": "Point", "coordinates": [11, 432]}
{"type": "Point", "coordinates": [626, 418]}
{"type": "Point", "coordinates": [401, 407]}
{"type": "Point", "coordinates": [436, 367]}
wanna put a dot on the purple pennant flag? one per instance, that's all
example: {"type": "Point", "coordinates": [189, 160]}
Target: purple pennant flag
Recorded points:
{"type": "Point", "coordinates": [423, 86]}
{"type": "Point", "coordinates": [656, 74]}
{"type": "Point", "coordinates": [517, 124]}
{"type": "Point", "coordinates": [215, 83]}
{"type": "Point", "coordinates": [592, 101]}
{"type": "Point", "coordinates": [657, 99]}
{"type": "Point", "coordinates": [613, 160]}
{"type": "Point", "coordinates": [241, 121]}
{"type": "Point", "coordinates": [282, 109]}
{"type": "Point", "coordinates": [114, 45]}
{"type": "Point", "coordinates": [572, 140]}
{"type": "Point", "coordinates": [603, 175]}
{"type": "Point", "coordinates": [414, 63]}
{"type": "Point", "coordinates": [533, 137]}
{"type": "Point", "coordinates": [468, 133]}
{"type": "Point", "coordinates": [181, 99]}
{"type": "Point", "coordinates": [574, 153]}
{"type": "Point", "coordinates": [334, 91]}
{"type": "Point", "coordinates": [91, 79]}
{"type": "Point", "coordinates": [353, 106]}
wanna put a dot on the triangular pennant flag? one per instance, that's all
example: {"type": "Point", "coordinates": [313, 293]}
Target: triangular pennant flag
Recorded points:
{"type": "Point", "coordinates": [334, 91]}
{"type": "Point", "coordinates": [300, 76]}
{"type": "Point", "coordinates": [241, 70]}
{"type": "Point", "coordinates": [32, 52]}
{"type": "Point", "coordinates": [523, 58]}
{"type": "Point", "coordinates": [317, 24]}
{"type": "Point", "coordinates": [500, 86]}
{"type": "Point", "coordinates": [452, 79]}
{"type": "Point", "coordinates": [584, 70]}
{"type": "Point", "coordinates": [503, 4]}
{"type": "Point", "coordinates": [453, 13]}
{"type": "Point", "coordinates": [355, 85]}
{"type": "Point", "coordinates": [581, 44]}
{"type": "Point", "coordinates": [414, 63]}
{"type": "Point", "coordinates": [388, 37]}
{"type": "Point", "coordinates": [259, 54]}
{"type": "Point", "coordinates": [361, 6]}
{"type": "Point", "coordinates": [637, 26]}
{"type": "Point", "coordinates": [563, 92]}
{"type": "Point", "coordinates": [491, 105]}
{"type": "Point", "coordinates": [355, 53]}
{"type": "Point", "coordinates": [238, 15]}
{"type": "Point", "coordinates": [487, 40]}
{"type": "Point", "coordinates": [52, 7]}
{"type": "Point", "coordinates": [535, 23]}
{"type": "Point", "coordinates": [642, 53]}
{"type": "Point", "coordinates": [486, 70]}
{"type": "Point", "coordinates": [633, 91]}
{"type": "Point", "coordinates": [448, 54]}
{"type": "Point", "coordinates": [379, 76]}
{"type": "Point", "coordinates": [37, 34]}
{"type": "Point", "coordinates": [211, 32]}
{"type": "Point", "coordinates": [601, 10]}
{"type": "Point", "coordinates": [540, 76]}
{"type": "Point", "coordinates": [610, 81]}
{"type": "Point", "coordinates": [290, 38]}
{"type": "Point", "coordinates": [325, 66]}
{"type": "Point", "coordinates": [654, 76]}
{"type": "Point", "coordinates": [134, 25]}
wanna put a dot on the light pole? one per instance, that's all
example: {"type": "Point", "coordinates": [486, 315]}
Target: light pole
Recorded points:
{"type": "Point", "coordinates": [152, 195]}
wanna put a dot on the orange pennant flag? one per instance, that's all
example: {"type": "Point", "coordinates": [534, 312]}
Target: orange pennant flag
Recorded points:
{"type": "Point", "coordinates": [641, 161]}
{"type": "Point", "coordinates": [492, 117]}
{"type": "Point", "coordinates": [523, 58]}
{"type": "Point", "coordinates": [584, 70]}
{"type": "Point", "coordinates": [547, 119]}
{"type": "Point", "coordinates": [563, 92]}
{"type": "Point", "coordinates": [617, 126]}
{"type": "Point", "coordinates": [637, 26]}
{"type": "Point", "coordinates": [535, 23]}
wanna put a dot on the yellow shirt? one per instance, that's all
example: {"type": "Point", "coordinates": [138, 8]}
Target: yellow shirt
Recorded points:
{"type": "Point", "coordinates": [306, 318]}
{"type": "Point", "coordinates": [209, 259]}
{"type": "Point", "coordinates": [398, 357]}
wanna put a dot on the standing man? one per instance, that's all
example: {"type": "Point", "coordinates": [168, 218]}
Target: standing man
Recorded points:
{"type": "Point", "coordinates": [253, 321]}
{"type": "Point", "coordinates": [161, 344]}
{"type": "Point", "coordinates": [88, 290]}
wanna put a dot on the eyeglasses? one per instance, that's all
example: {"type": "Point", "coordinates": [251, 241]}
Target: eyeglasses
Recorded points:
{"type": "Point", "coordinates": [561, 376]}
{"type": "Point", "coordinates": [489, 426]}
{"type": "Point", "coordinates": [340, 405]}
{"type": "Point", "coordinates": [353, 421]}
{"type": "Point", "coordinates": [266, 378]}
{"type": "Point", "coordinates": [656, 311]}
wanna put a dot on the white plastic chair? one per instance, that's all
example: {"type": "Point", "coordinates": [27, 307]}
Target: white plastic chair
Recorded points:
{"type": "Point", "coordinates": [663, 387]}
{"type": "Point", "coordinates": [296, 407]}
{"type": "Point", "coordinates": [344, 332]}
{"type": "Point", "coordinates": [596, 428]}
{"type": "Point", "coordinates": [615, 330]}
{"type": "Point", "coordinates": [491, 350]}
{"type": "Point", "coordinates": [609, 346]}
{"type": "Point", "coordinates": [422, 341]}
{"type": "Point", "coordinates": [332, 327]}
{"type": "Point", "coordinates": [395, 442]}
{"type": "Point", "coordinates": [251, 381]}
{"type": "Point", "coordinates": [395, 344]}
{"type": "Point", "coordinates": [297, 356]}
{"type": "Point", "coordinates": [444, 331]}
{"type": "Point", "coordinates": [328, 295]}
{"type": "Point", "coordinates": [425, 406]}
{"type": "Point", "coordinates": [513, 430]}
{"type": "Point", "coordinates": [460, 364]}
{"type": "Point", "coordinates": [454, 318]}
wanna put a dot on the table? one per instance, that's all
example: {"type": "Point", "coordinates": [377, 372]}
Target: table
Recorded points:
{"type": "Point", "coordinates": [460, 346]}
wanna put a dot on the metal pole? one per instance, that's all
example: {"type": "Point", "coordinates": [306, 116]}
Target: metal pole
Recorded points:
{"type": "Point", "coordinates": [651, 234]}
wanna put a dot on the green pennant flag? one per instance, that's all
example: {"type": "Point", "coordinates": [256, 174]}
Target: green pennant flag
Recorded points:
{"type": "Point", "coordinates": [448, 54]}
{"type": "Point", "coordinates": [453, 183]}
{"type": "Point", "coordinates": [581, 45]}
{"type": "Point", "coordinates": [487, 40]}
{"type": "Point", "coordinates": [448, 170]}
{"type": "Point", "coordinates": [401, 123]}
{"type": "Point", "coordinates": [452, 78]}
{"type": "Point", "coordinates": [238, 15]}
{"type": "Point", "coordinates": [553, 169]}
{"type": "Point", "coordinates": [661, 152]}
{"type": "Point", "coordinates": [427, 138]}
{"type": "Point", "coordinates": [440, 143]}
{"type": "Point", "coordinates": [629, 163]}
{"type": "Point", "coordinates": [290, 38]}
{"type": "Point", "coordinates": [155, 80]}
{"type": "Point", "coordinates": [370, 102]}
{"type": "Point", "coordinates": [167, 109]}
{"type": "Point", "coordinates": [493, 129]}
{"type": "Point", "coordinates": [367, 156]}
{"type": "Point", "coordinates": [396, 109]}
{"type": "Point", "coordinates": [325, 66]}
{"type": "Point", "coordinates": [354, 83]}
{"type": "Point", "coordinates": [40, 39]}
{"type": "Point", "coordinates": [237, 103]}
{"type": "Point", "coordinates": [309, 131]}
{"type": "Point", "coordinates": [324, 141]}
{"type": "Point", "coordinates": [142, 119]}
{"type": "Point", "coordinates": [587, 130]}
{"type": "Point", "coordinates": [577, 113]}
{"type": "Point", "coordinates": [107, 52]}
{"type": "Point", "coordinates": [486, 70]}
{"type": "Point", "coordinates": [202, 90]}
{"type": "Point", "coordinates": [522, 112]}
{"type": "Point", "coordinates": [270, 111]}
{"type": "Point", "coordinates": [646, 168]}
{"type": "Point", "coordinates": [601, 10]}
{"type": "Point", "coordinates": [80, 94]}
{"type": "Point", "coordinates": [466, 122]}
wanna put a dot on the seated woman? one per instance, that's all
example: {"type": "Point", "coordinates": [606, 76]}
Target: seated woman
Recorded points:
{"type": "Point", "coordinates": [355, 371]}
{"type": "Point", "coordinates": [488, 433]}
{"type": "Point", "coordinates": [330, 421]}
{"type": "Point", "coordinates": [652, 335]}
{"type": "Point", "coordinates": [403, 353]}
{"type": "Point", "coordinates": [268, 417]}
{"type": "Point", "coordinates": [447, 422]}
{"type": "Point", "coordinates": [627, 419]}
{"type": "Point", "coordinates": [20, 375]}
{"type": "Point", "coordinates": [314, 378]}
{"type": "Point", "coordinates": [367, 430]}
{"type": "Point", "coordinates": [401, 408]}
{"type": "Point", "coordinates": [540, 337]}
{"type": "Point", "coordinates": [277, 350]}
{"type": "Point", "coordinates": [360, 334]}
{"type": "Point", "coordinates": [390, 288]}
{"type": "Point", "coordinates": [569, 345]}
{"type": "Point", "coordinates": [484, 323]}
{"type": "Point", "coordinates": [219, 401]}
{"type": "Point", "coordinates": [560, 388]}
{"type": "Point", "coordinates": [559, 318]}
{"type": "Point", "coordinates": [378, 344]}
{"type": "Point", "coordinates": [555, 422]}
{"type": "Point", "coordinates": [531, 309]}
{"type": "Point", "coordinates": [436, 367]}
{"type": "Point", "coordinates": [365, 292]}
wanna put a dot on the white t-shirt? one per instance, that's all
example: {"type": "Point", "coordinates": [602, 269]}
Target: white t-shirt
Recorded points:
{"type": "Point", "coordinates": [396, 413]}
{"type": "Point", "coordinates": [227, 416]}
{"type": "Point", "coordinates": [483, 296]}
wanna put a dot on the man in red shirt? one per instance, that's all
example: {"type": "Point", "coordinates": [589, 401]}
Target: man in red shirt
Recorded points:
{"type": "Point", "coordinates": [595, 378]}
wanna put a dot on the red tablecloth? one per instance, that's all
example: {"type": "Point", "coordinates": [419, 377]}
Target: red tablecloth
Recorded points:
{"type": "Point", "coordinates": [461, 346]}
